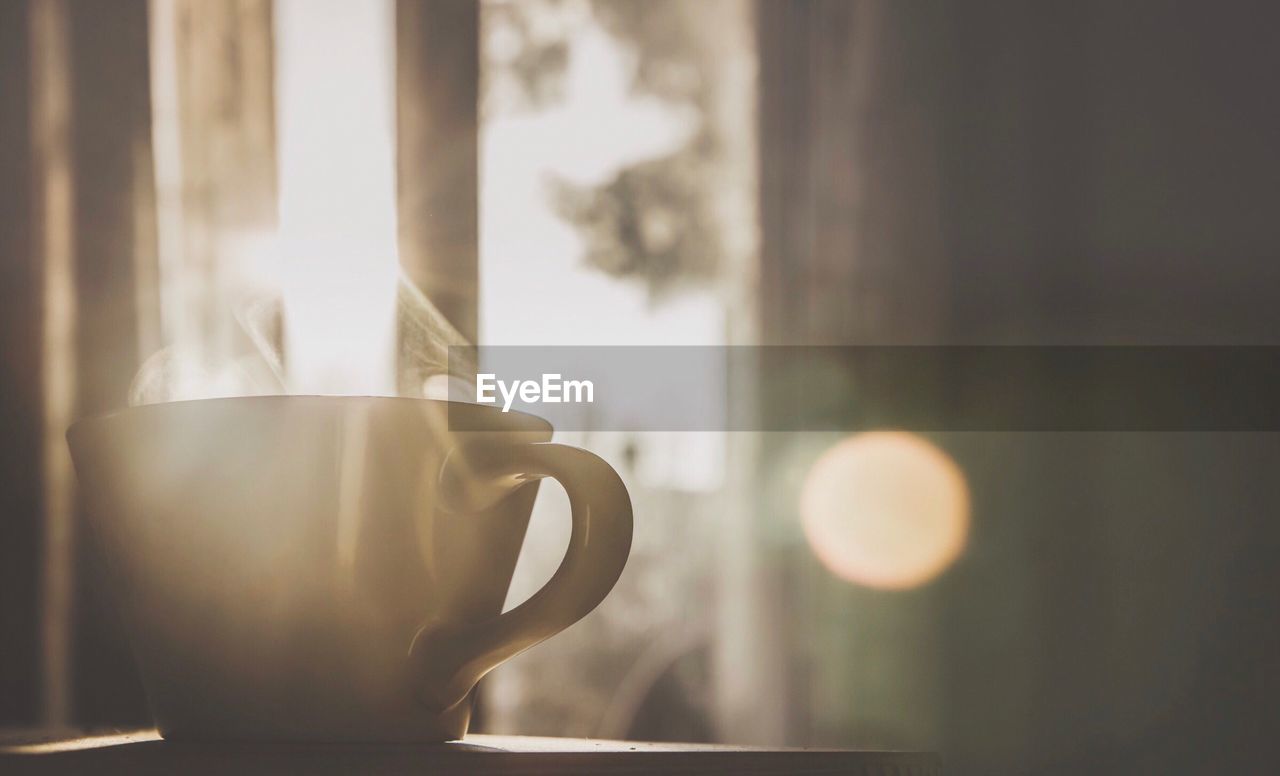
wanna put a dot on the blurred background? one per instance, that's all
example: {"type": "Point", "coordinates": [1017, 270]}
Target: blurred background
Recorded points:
{"type": "Point", "coordinates": [737, 172]}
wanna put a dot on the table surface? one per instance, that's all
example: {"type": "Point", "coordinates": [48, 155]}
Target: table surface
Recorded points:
{"type": "Point", "coordinates": [144, 752]}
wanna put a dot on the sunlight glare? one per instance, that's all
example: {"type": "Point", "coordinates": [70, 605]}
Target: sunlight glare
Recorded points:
{"type": "Point", "coordinates": [335, 103]}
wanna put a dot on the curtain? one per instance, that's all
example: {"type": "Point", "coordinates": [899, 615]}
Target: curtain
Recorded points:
{"type": "Point", "coordinates": [136, 146]}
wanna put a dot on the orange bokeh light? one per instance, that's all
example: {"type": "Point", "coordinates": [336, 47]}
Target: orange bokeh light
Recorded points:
{"type": "Point", "coordinates": [886, 510]}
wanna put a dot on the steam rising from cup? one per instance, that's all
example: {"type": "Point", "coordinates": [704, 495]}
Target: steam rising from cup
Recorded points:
{"type": "Point", "coordinates": [327, 310]}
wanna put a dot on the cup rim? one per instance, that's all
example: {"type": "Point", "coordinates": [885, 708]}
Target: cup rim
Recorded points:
{"type": "Point", "coordinates": [533, 422]}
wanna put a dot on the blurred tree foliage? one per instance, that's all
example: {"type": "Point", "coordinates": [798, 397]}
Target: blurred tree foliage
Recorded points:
{"type": "Point", "coordinates": [654, 221]}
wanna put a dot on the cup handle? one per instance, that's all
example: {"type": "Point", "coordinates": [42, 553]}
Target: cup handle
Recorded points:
{"type": "Point", "coordinates": [449, 658]}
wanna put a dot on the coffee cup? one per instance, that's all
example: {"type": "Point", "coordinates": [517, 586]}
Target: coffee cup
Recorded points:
{"type": "Point", "coordinates": [330, 568]}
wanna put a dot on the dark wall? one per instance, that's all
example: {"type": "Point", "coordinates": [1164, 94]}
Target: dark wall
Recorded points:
{"type": "Point", "coordinates": [1010, 172]}
{"type": "Point", "coordinates": [1109, 171]}
{"type": "Point", "coordinates": [108, 144]}
{"type": "Point", "coordinates": [20, 402]}
{"type": "Point", "coordinates": [1110, 175]}
{"type": "Point", "coordinates": [114, 239]}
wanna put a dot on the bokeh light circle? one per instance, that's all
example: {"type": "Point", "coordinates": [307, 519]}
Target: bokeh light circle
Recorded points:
{"type": "Point", "coordinates": [885, 509]}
